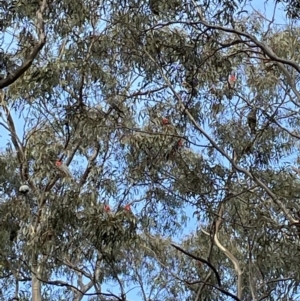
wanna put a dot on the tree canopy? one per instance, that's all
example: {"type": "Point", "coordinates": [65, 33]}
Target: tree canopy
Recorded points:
{"type": "Point", "coordinates": [149, 150]}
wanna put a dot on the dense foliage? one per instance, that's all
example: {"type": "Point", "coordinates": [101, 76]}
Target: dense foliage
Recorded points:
{"type": "Point", "coordinates": [150, 150]}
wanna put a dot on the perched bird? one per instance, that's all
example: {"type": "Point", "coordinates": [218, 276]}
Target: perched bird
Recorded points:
{"type": "Point", "coordinates": [63, 168]}
{"type": "Point", "coordinates": [252, 120]}
{"type": "Point", "coordinates": [106, 208]}
{"type": "Point", "coordinates": [180, 143]}
{"type": "Point", "coordinates": [231, 80]}
{"type": "Point", "coordinates": [14, 228]}
{"type": "Point", "coordinates": [176, 146]}
{"type": "Point", "coordinates": [24, 189]}
{"type": "Point", "coordinates": [154, 6]}
{"type": "Point", "coordinates": [165, 121]}
{"type": "Point", "coordinates": [13, 234]}
{"type": "Point", "coordinates": [127, 207]}
{"type": "Point", "coordinates": [190, 84]}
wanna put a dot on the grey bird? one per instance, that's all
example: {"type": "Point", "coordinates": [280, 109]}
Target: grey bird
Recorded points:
{"type": "Point", "coordinates": [252, 121]}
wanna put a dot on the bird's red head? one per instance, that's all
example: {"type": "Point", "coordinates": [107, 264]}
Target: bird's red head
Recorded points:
{"type": "Point", "coordinates": [165, 121]}
{"type": "Point", "coordinates": [106, 208]}
{"type": "Point", "coordinates": [180, 142]}
{"type": "Point", "coordinates": [232, 78]}
{"type": "Point", "coordinates": [58, 163]}
{"type": "Point", "coordinates": [127, 207]}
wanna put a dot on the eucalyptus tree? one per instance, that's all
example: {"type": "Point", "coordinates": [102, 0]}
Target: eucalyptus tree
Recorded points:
{"type": "Point", "coordinates": [125, 116]}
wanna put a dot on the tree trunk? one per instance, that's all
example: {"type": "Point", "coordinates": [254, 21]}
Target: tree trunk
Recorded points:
{"type": "Point", "coordinates": [36, 284]}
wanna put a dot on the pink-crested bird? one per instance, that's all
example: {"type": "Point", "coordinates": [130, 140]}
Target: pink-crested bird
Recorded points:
{"type": "Point", "coordinates": [106, 208]}
{"type": "Point", "coordinates": [231, 80]}
{"type": "Point", "coordinates": [165, 121]}
{"type": "Point", "coordinates": [63, 168]}
{"type": "Point", "coordinates": [127, 207]}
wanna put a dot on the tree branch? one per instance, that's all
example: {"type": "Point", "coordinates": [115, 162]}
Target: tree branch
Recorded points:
{"type": "Point", "coordinates": [200, 259]}
{"type": "Point", "coordinates": [227, 253]}
{"type": "Point", "coordinates": [220, 150]}
{"type": "Point", "coordinates": [13, 76]}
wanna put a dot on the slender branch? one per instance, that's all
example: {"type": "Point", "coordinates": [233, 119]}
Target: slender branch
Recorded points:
{"type": "Point", "coordinates": [89, 166]}
{"type": "Point", "coordinates": [23, 165]}
{"type": "Point", "coordinates": [14, 137]}
{"type": "Point", "coordinates": [200, 259]}
{"type": "Point", "coordinates": [227, 253]}
{"type": "Point", "coordinates": [13, 76]}
{"type": "Point", "coordinates": [267, 50]}
{"type": "Point", "coordinates": [221, 150]}
{"type": "Point", "coordinates": [65, 284]}
{"type": "Point", "coordinates": [217, 288]}
{"type": "Point", "coordinates": [198, 296]}
{"type": "Point", "coordinates": [198, 281]}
